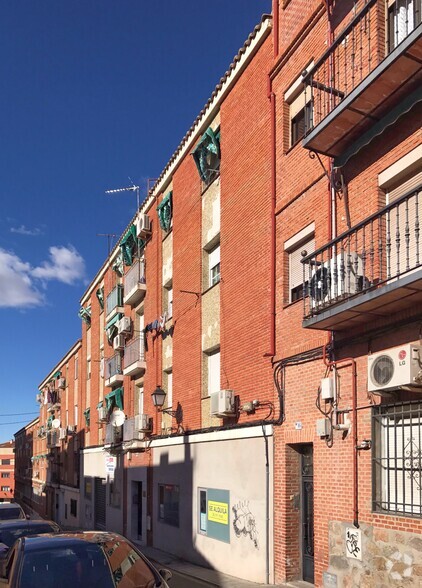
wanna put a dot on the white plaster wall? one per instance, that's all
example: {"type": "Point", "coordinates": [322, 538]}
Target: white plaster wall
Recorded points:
{"type": "Point", "coordinates": [237, 465]}
{"type": "Point", "coordinates": [67, 494]}
{"type": "Point", "coordinates": [93, 466]}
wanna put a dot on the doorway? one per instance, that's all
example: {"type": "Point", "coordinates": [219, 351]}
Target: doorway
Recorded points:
{"type": "Point", "coordinates": [137, 511]}
{"type": "Point", "coordinates": [307, 511]}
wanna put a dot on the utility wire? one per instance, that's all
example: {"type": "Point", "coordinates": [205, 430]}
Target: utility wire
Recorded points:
{"type": "Point", "coordinates": [14, 423]}
{"type": "Point", "coordinates": [18, 413]}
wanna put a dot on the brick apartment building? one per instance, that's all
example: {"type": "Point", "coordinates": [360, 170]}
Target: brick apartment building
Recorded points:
{"type": "Point", "coordinates": [7, 471]}
{"type": "Point", "coordinates": [261, 292]}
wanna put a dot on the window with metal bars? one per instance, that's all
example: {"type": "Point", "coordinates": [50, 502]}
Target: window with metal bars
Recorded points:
{"type": "Point", "coordinates": [403, 17]}
{"type": "Point", "coordinates": [397, 459]}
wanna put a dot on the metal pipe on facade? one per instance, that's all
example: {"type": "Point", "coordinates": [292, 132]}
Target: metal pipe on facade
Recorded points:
{"type": "Point", "coordinates": [352, 362]}
{"type": "Point", "coordinates": [271, 98]}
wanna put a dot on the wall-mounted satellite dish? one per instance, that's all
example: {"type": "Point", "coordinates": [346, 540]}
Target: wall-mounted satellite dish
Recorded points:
{"type": "Point", "coordinates": [55, 423]}
{"type": "Point", "coordinates": [117, 418]}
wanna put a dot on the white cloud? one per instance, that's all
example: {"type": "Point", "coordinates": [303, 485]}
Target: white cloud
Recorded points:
{"type": "Point", "coordinates": [18, 279]}
{"type": "Point", "coordinates": [65, 265]}
{"type": "Point", "coordinates": [16, 287]}
{"type": "Point", "coordinates": [23, 230]}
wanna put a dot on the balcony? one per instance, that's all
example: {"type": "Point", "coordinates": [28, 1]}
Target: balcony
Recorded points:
{"type": "Point", "coordinates": [134, 283]}
{"type": "Point", "coordinates": [374, 270]}
{"type": "Point", "coordinates": [113, 371]}
{"type": "Point", "coordinates": [361, 84]}
{"type": "Point", "coordinates": [134, 358]}
{"type": "Point", "coordinates": [114, 303]}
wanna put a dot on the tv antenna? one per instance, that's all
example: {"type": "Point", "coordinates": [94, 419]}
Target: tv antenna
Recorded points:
{"type": "Point", "coordinates": [109, 240]}
{"type": "Point", "coordinates": [131, 188]}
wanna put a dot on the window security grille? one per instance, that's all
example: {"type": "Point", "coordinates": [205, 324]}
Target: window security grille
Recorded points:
{"type": "Point", "coordinates": [397, 459]}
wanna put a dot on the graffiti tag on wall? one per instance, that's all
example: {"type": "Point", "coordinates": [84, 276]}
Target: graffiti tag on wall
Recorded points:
{"type": "Point", "coordinates": [244, 522]}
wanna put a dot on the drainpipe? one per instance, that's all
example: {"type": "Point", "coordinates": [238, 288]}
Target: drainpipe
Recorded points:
{"type": "Point", "coordinates": [271, 98]}
{"type": "Point", "coordinates": [351, 361]}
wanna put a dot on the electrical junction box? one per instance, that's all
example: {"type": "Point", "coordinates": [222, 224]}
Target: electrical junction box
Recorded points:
{"type": "Point", "coordinates": [323, 427]}
{"type": "Point", "coordinates": [327, 388]}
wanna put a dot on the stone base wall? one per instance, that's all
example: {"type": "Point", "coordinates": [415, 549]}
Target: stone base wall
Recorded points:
{"type": "Point", "coordinates": [384, 558]}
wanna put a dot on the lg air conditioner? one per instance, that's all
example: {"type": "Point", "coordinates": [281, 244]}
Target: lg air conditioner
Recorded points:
{"type": "Point", "coordinates": [62, 434]}
{"type": "Point", "coordinates": [143, 225]}
{"type": "Point", "coordinates": [61, 383]}
{"type": "Point", "coordinates": [399, 367]}
{"type": "Point", "coordinates": [124, 325]}
{"type": "Point", "coordinates": [102, 414]}
{"type": "Point", "coordinates": [222, 403]}
{"type": "Point", "coordinates": [118, 342]}
{"type": "Point", "coordinates": [336, 278]}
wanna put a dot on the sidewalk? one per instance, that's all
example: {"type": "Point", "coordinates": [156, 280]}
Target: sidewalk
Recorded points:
{"type": "Point", "coordinates": [211, 577]}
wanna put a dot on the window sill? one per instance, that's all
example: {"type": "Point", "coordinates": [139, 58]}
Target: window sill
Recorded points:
{"type": "Point", "coordinates": [292, 147]}
{"type": "Point", "coordinates": [211, 287]}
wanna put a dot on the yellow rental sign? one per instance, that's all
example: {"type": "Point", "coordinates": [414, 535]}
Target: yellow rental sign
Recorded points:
{"type": "Point", "coordinates": [218, 512]}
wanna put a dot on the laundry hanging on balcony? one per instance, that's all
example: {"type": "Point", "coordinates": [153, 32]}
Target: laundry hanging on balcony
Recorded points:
{"type": "Point", "coordinates": [207, 155]}
{"type": "Point", "coordinates": [165, 210]}
{"type": "Point", "coordinates": [130, 245]}
{"type": "Point", "coordinates": [85, 314]}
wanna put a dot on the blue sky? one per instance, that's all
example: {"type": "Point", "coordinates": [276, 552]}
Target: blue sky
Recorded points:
{"type": "Point", "coordinates": [93, 93]}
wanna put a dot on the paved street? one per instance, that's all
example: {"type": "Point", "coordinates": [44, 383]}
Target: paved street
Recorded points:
{"type": "Point", "coordinates": [182, 581]}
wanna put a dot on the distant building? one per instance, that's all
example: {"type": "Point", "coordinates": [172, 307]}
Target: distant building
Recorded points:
{"type": "Point", "coordinates": [7, 471]}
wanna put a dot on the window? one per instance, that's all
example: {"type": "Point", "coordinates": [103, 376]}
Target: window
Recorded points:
{"type": "Point", "coordinates": [76, 368]}
{"type": "Point", "coordinates": [299, 109]}
{"type": "Point", "coordinates": [169, 388]}
{"type": "Point", "coordinates": [301, 242]}
{"type": "Point", "coordinates": [165, 212]}
{"type": "Point", "coordinates": [299, 124]}
{"type": "Point", "coordinates": [5, 488]}
{"type": "Point", "coordinates": [397, 467]}
{"type": "Point", "coordinates": [213, 371]}
{"type": "Point", "coordinates": [168, 508]}
{"type": "Point", "coordinates": [5, 475]}
{"type": "Point", "coordinates": [87, 415]}
{"type": "Point", "coordinates": [403, 17]}
{"type": "Point", "coordinates": [73, 507]}
{"type": "Point", "coordinates": [207, 156]}
{"type": "Point", "coordinates": [214, 266]}
{"type": "Point", "coordinates": [5, 462]}
{"type": "Point", "coordinates": [140, 392]}
{"type": "Point", "coordinates": [88, 369]}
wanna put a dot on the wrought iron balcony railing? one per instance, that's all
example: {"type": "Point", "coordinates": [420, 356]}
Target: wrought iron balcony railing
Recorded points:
{"type": "Point", "coordinates": [376, 30]}
{"type": "Point", "coordinates": [379, 250]}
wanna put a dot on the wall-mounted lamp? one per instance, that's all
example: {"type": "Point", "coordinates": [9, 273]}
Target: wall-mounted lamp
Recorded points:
{"type": "Point", "coordinates": [158, 397]}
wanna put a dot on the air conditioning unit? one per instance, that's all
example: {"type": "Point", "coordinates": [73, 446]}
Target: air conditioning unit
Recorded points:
{"type": "Point", "coordinates": [124, 325]}
{"type": "Point", "coordinates": [143, 225]}
{"type": "Point", "coordinates": [399, 367]}
{"type": "Point", "coordinates": [118, 342]}
{"type": "Point", "coordinates": [131, 430]}
{"type": "Point", "coordinates": [102, 414]}
{"type": "Point", "coordinates": [62, 434]}
{"type": "Point", "coordinates": [222, 403]}
{"type": "Point", "coordinates": [113, 434]}
{"type": "Point", "coordinates": [336, 278]}
{"type": "Point", "coordinates": [61, 383]}
{"type": "Point", "coordinates": [143, 423]}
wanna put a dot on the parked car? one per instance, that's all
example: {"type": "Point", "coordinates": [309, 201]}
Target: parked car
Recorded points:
{"type": "Point", "coordinates": [11, 531]}
{"type": "Point", "coordinates": [89, 559]}
{"type": "Point", "coordinates": [11, 510]}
